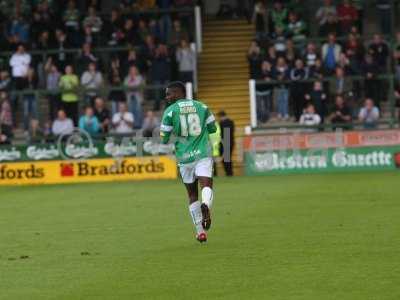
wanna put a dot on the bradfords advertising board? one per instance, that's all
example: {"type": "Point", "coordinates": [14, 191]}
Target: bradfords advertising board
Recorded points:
{"type": "Point", "coordinates": [304, 153]}
{"type": "Point", "coordinates": [91, 170]}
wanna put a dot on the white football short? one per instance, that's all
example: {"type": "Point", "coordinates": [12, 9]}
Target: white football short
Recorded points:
{"type": "Point", "coordinates": [201, 168]}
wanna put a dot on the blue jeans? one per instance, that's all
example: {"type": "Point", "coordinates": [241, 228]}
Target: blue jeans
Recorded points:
{"type": "Point", "coordinates": [263, 105]}
{"type": "Point", "coordinates": [30, 109]}
{"type": "Point", "coordinates": [136, 109]}
{"type": "Point", "coordinates": [283, 102]}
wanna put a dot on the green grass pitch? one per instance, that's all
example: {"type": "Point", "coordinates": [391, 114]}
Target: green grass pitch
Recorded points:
{"type": "Point", "coordinates": [281, 238]}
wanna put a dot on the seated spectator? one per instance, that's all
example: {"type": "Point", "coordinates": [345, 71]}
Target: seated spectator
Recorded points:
{"type": "Point", "coordinates": [6, 114]}
{"type": "Point", "coordinates": [347, 15]}
{"type": "Point", "coordinates": [379, 50]}
{"type": "Point", "coordinates": [369, 114]}
{"type": "Point", "coordinates": [317, 71]}
{"type": "Point", "coordinates": [297, 28]}
{"type": "Point", "coordinates": [62, 125]}
{"type": "Point", "coordinates": [330, 53]}
{"type": "Point", "coordinates": [278, 16]}
{"type": "Point", "coordinates": [6, 134]}
{"type": "Point", "coordinates": [89, 122]}
{"type": "Point", "coordinates": [38, 135]}
{"type": "Point", "coordinates": [318, 98]}
{"type": "Point", "coordinates": [310, 117]}
{"type": "Point", "coordinates": [150, 123]}
{"type": "Point", "coordinates": [186, 59]}
{"type": "Point", "coordinates": [91, 81]}
{"type": "Point", "coordinates": [123, 120]}
{"type": "Point", "coordinates": [134, 81]}
{"type": "Point", "coordinates": [326, 16]}
{"type": "Point", "coordinates": [341, 114]}
{"type": "Point", "coordinates": [102, 114]}
{"type": "Point", "coordinates": [69, 84]}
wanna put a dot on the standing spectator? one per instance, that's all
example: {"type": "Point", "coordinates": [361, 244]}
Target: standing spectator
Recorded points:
{"type": "Point", "coordinates": [341, 114]}
{"type": "Point", "coordinates": [264, 93]}
{"type": "Point", "coordinates": [6, 114]}
{"type": "Point", "coordinates": [71, 22]}
{"type": "Point", "coordinates": [89, 122]}
{"type": "Point", "coordinates": [115, 79]}
{"type": "Point", "coordinates": [280, 40]}
{"type": "Point", "coordinates": [93, 21]}
{"type": "Point", "coordinates": [260, 19]}
{"type": "Point", "coordinates": [186, 59]}
{"type": "Point", "coordinates": [52, 85]}
{"type": "Point", "coordinates": [62, 125]}
{"type": "Point", "coordinates": [318, 98]}
{"type": "Point", "coordinates": [331, 53]}
{"type": "Point", "coordinates": [86, 58]}
{"type": "Point", "coordinates": [29, 98]}
{"type": "Point", "coordinates": [114, 27]}
{"type": "Point", "coordinates": [69, 84]}
{"type": "Point", "coordinates": [91, 81]}
{"type": "Point", "coordinates": [160, 71]}
{"type": "Point", "coordinates": [370, 71]}
{"type": "Point", "coordinates": [379, 51]}
{"type": "Point", "coordinates": [347, 15]}
{"type": "Point", "coordinates": [254, 58]}
{"type": "Point", "coordinates": [282, 92]}
{"type": "Point", "coordinates": [396, 56]}
{"type": "Point", "coordinates": [310, 55]}
{"type": "Point", "coordinates": [102, 114]}
{"type": "Point", "coordinates": [369, 114]}
{"type": "Point", "coordinates": [5, 81]}
{"type": "Point", "coordinates": [278, 16]}
{"type": "Point", "coordinates": [297, 29]}
{"type": "Point", "coordinates": [340, 84]}
{"type": "Point", "coordinates": [310, 118]}
{"type": "Point", "coordinates": [61, 44]}
{"type": "Point", "coordinates": [150, 123]}
{"type": "Point", "coordinates": [326, 14]}
{"type": "Point", "coordinates": [177, 34]}
{"type": "Point", "coordinates": [19, 30]}
{"type": "Point", "coordinates": [134, 81]}
{"type": "Point", "coordinates": [228, 140]}
{"type": "Point", "coordinates": [298, 87]}
{"type": "Point", "coordinates": [384, 8]}
{"type": "Point", "coordinates": [19, 63]}
{"type": "Point", "coordinates": [123, 120]}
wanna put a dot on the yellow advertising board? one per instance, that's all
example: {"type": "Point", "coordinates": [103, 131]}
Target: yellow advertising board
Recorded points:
{"type": "Point", "coordinates": [92, 170]}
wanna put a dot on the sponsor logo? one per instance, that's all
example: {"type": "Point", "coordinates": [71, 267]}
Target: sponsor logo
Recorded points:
{"type": "Point", "coordinates": [342, 159]}
{"type": "Point", "coordinates": [272, 161]}
{"type": "Point", "coordinates": [67, 170]}
{"type": "Point", "coordinates": [10, 154]}
{"type": "Point", "coordinates": [30, 172]}
{"type": "Point", "coordinates": [397, 159]}
{"type": "Point", "coordinates": [37, 153]}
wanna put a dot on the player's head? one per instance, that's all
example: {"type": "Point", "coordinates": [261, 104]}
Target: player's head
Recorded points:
{"type": "Point", "coordinates": [175, 91]}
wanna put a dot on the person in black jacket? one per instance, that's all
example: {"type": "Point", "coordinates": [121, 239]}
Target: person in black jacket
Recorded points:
{"type": "Point", "coordinates": [6, 134]}
{"type": "Point", "coordinates": [370, 71]}
{"type": "Point", "coordinates": [228, 141]}
{"type": "Point", "coordinates": [298, 87]}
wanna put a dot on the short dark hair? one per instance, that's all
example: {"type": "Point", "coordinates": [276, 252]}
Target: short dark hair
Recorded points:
{"type": "Point", "coordinates": [221, 113]}
{"type": "Point", "coordinates": [177, 85]}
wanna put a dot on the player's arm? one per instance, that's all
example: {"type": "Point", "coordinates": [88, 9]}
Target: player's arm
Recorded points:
{"type": "Point", "coordinates": [166, 127]}
{"type": "Point", "coordinates": [210, 122]}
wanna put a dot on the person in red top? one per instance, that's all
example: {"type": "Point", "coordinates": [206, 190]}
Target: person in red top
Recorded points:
{"type": "Point", "coordinates": [347, 15]}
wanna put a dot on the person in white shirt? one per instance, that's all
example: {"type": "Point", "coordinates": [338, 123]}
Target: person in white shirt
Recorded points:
{"type": "Point", "coordinates": [19, 64]}
{"type": "Point", "coordinates": [186, 61]}
{"type": "Point", "coordinates": [123, 120]}
{"type": "Point", "coordinates": [369, 114]}
{"type": "Point", "coordinates": [62, 125]}
{"type": "Point", "coordinates": [92, 80]}
{"type": "Point", "coordinates": [310, 118]}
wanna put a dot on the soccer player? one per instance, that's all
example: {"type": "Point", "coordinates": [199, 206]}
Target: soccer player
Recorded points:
{"type": "Point", "coordinates": [191, 122]}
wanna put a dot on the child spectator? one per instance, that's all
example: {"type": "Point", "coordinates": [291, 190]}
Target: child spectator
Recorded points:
{"type": "Point", "coordinates": [318, 98]}
{"type": "Point", "coordinates": [89, 122]}
{"type": "Point", "coordinates": [310, 118]}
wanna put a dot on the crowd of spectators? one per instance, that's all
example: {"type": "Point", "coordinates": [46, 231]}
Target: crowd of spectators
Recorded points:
{"type": "Point", "coordinates": [55, 46]}
{"type": "Point", "coordinates": [337, 74]}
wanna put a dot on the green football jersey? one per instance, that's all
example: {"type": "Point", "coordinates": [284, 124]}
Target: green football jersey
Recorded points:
{"type": "Point", "coordinates": [191, 122]}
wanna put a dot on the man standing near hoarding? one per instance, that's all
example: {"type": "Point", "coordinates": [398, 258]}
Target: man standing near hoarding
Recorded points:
{"type": "Point", "coordinates": [228, 138]}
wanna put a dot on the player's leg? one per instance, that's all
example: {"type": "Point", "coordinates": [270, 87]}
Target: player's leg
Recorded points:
{"type": "Point", "coordinates": [188, 177]}
{"type": "Point", "coordinates": [203, 172]}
